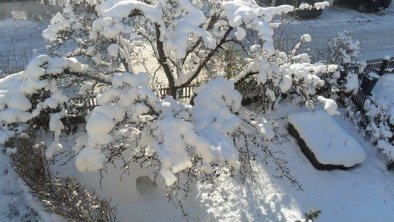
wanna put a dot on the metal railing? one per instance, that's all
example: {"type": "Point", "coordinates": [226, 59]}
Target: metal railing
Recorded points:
{"type": "Point", "coordinates": [378, 66]}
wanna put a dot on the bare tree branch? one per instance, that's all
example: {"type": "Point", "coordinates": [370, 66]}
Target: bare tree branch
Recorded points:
{"type": "Point", "coordinates": [209, 56]}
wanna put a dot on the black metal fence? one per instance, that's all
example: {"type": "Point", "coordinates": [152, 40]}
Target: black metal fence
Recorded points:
{"type": "Point", "coordinates": [369, 76]}
{"type": "Point", "coordinates": [379, 66]}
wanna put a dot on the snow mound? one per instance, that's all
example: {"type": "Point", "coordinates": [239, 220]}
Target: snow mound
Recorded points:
{"type": "Point", "coordinates": [384, 90]}
{"type": "Point", "coordinates": [329, 142]}
{"type": "Point", "coordinates": [330, 105]}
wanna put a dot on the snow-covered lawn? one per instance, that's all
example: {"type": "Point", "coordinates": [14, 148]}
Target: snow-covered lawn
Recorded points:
{"type": "Point", "coordinates": [365, 193]}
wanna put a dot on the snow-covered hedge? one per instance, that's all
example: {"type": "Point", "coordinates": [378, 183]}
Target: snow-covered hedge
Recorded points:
{"type": "Point", "coordinates": [376, 121]}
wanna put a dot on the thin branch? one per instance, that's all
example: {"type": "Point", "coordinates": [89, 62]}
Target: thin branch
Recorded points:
{"type": "Point", "coordinates": [97, 76]}
{"type": "Point", "coordinates": [209, 56]}
{"type": "Point", "coordinates": [212, 21]}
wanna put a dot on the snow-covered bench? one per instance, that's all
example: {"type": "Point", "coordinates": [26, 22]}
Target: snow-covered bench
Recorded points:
{"type": "Point", "coordinates": [324, 142]}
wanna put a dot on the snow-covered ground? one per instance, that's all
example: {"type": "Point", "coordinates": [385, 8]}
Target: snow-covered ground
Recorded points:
{"type": "Point", "coordinates": [362, 194]}
{"type": "Point", "coordinates": [13, 202]}
{"type": "Point", "coordinates": [365, 193]}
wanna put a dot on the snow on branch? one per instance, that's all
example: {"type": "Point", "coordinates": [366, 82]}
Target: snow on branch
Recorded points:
{"type": "Point", "coordinates": [40, 74]}
{"type": "Point", "coordinates": [245, 13]}
{"type": "Point", "coordinates": [214, 116]}
{"type": "Point", "coordinates": [178, 38]}
{"type": "Point", "coordinates": [128, 98]}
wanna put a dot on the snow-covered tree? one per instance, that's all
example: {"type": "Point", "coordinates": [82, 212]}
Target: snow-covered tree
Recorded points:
{"type": "Point", "coordinates": [98, 48]}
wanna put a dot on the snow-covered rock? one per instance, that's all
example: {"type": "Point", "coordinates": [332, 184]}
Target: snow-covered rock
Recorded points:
{"type": "Point", "coordinates": [326, 139]}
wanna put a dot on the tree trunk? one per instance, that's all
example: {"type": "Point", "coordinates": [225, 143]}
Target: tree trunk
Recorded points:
{"type": "Point", "coordinates": [172, 89]}
{"type": "Point", "coordinates": [162, 59]}
{"type": "Point", "coordinates": [273, 2]}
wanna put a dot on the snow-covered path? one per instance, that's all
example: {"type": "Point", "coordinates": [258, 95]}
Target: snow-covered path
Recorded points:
{"type": "Point", "coordinates": [19, 41]}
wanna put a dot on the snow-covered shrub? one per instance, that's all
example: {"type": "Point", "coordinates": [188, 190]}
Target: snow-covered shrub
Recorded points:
{"type": "Point", "coordinates": [103, 45]}
{"type": "Point", "coordinates": [62, 196]}
{"type": "Point", "coordinates": [283, 75]}
{"type": "Point", "coordinates": [375, 121]}
{"type": "Point", "coordinates": [371, 118]}
{"type": "Point", "coordinates": [344, 48]}
{"type": "Point", "coordinates": [229, 62]}
{"type": "Point", "coordinates": [344, 51]}
{"type": "Point", "coordinates": [311, 215]}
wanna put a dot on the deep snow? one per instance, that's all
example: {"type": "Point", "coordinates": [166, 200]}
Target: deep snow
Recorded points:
{"type": "Point", "coordinates": [365, 193]}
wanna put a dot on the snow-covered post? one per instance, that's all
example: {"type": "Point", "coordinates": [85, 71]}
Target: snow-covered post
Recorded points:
{"type": "Point", "coordinates": [384, 65]}
{"type": "Point", "coordinates": [368, 82]}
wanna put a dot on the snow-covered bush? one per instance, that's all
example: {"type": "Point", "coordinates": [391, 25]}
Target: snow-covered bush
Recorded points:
{"type": "Point", "coordinates": [376, 121]}
{"type": "Point", "coordinates": [103, 45]}
{"type": "Point", "coordinates": [283, 75]}
{"type": "Point", "coordinates": [311, 215]}
{"type": "Point", "coordinates": [373, 119]}
{"type": "Point", "coordinates": [344, 49]}
{"type": "Point", "coordinates": [229, 62]}
{"type": "Point", "coordinates": [62, 196]}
